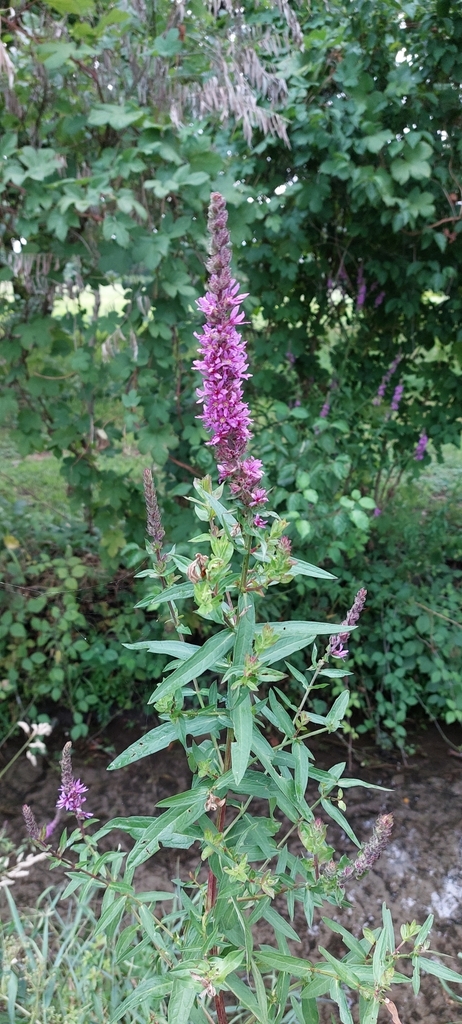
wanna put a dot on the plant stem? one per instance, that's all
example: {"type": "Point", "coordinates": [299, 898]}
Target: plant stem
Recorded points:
{"type": "Point", "coordinates": [245, 565]}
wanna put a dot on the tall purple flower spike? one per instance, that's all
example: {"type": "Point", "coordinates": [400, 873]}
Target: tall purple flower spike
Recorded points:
{"type": "Point", "coordinates": [420, 447]}
{"type": "Point", "coordinates": [385, 379]}
{"type": "Point", "coordinates": [337, 642]}
{"type": "Point", "coordinates": [71, 795]}
{"type": "Point", "coordinates": [224, 367]}
{"type": "Point", "coordinates": [397, 396]}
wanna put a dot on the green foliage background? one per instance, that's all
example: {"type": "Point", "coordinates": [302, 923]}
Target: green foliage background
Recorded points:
{"type": "Point", "coordinates": [334, 135]}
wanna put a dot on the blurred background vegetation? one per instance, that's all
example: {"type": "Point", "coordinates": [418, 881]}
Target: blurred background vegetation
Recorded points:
{"type": "Point", "coordinates": [334, 134]}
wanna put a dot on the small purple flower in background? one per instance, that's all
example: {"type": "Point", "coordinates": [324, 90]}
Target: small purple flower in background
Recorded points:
{"type": "Point", "coordinates": [397, 396]}
{"type": "Point", "coordinates": [362, 289]}
{"type": "Point", "coordinates": [154, 522]}
{"type": "Point", "coordinates": [420, 447]}
{"type": "Point", "coordinates": [290, 358]}
{"type": "Point", "coordinates": [224, 367]}
{"type": "Point", "coordinates": [377, 511]}
{"type": "Point", "coordinates": [71, 795]}
{"type": "Point", "coordinates": [386, 379]}
{"type": "Point", "coordinates": [325, 410]}
{"type": "Point", "coordinates": [379, 299]}
{"type": "Point", "coordinates": [337, 642]}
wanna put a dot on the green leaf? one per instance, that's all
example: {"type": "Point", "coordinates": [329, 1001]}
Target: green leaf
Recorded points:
{"type": "Point", "coordinates": [310, 1011]}
{"type": "Point", "coordinates": [175, 648]}
{"type": "Point", "coordinates": [302, 767]}
{"type": "Point", "coordinates": [379, 960]}
{"type": "Point", "coordinates": [299, 568]}
{"type": "Point", "coordinates": [178, 592]}
{"type": "Point", "coordinates": [160, 737]}
{"type": "Point", "coordinates": [279, 924]}
{"type": "Point", "coordinates": [292, 965]}
{"type": "Point", "coordinates": [54, 55]}
{"type": "Point", "coordinates": [79, 7]}
{"type": "Point", "coordinates": [349, 940]}
{"type": "Point", "coordinates": [374, 143]}
{"type": "Point", "coordinates": [245, 629]}
{"type": "Point", "coordinates": [360, 519]}
{"type": "Point", "coordinates": [115, 116]}
{"type": "Point", "coordinates": [181, 1002]}
{"type": "Point", "coordinates": [205, 658]}
{"type": "Point", "coordinates": [111, 917]}
{"type": "Point", "coordinates": [338, 711]}
{"type": "Point", "coordinates": [368, 1010]}
{"type": "Point", "coordinates": [168, 44]}
{"type": "Point", "coordinates": [115, 230]}
{"type": "Point", "coordinates": [338, 995]}
{"type": "Point", "coordinates": [342, 971]}
{"type": "Point", "coordinates": [335, 813]}
{"type": "Point", "coordinates": [245, 997]}
{"type": "Point", "coordinates": [439, 970]}
{"type": "Point", "coordinates": [242, 719]}
{"type": "Point", "coordinates": [145, 991]}
{"type": "Point", "coordinates": [295, 641]}
{"type": "Point", "coordinates": [424, 931]}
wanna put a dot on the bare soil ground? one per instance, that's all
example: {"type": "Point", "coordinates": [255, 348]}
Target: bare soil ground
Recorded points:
{"type": "Point", "coordinates": [420, 872]}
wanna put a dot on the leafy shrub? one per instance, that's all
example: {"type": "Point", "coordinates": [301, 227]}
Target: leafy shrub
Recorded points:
{"type": "Point", "coordinates": [62, 620]}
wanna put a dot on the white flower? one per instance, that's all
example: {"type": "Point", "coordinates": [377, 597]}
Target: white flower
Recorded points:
{"type": "Point", "coordinates": [38, 746]}
{"type": "Point", "coordinates": [24, 726]}
{"type": "Point", "coordinates": [32, 758]}
{"type": "Point", "coordinates": [42, 728]}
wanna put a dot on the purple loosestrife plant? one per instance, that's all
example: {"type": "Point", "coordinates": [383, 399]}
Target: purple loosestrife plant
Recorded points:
{"type": "Point", "coordinates": [337, 643]}
{"type": "Point", "coordinates": [224, 368]}
{"type": "Point", "coordinates": [397, 396]}
{"type": "Point", "coordinates": [386, 380]}
{"type": "Point", "coordinates": [421, 447]}
{"type": "Point", "coordinates": [222, 700]}
{"type": "Point", "coordinates": [361, 289]}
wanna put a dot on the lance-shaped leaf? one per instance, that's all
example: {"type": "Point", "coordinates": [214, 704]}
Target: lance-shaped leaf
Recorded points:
{"type": "Point", "coordinates": [293, 965]}
{"type": "Point", "coordinates": [181, 1002]}
{"type": "Point", "coordinates": [178, 592]}
{"type": "Point", "coordinates": [335, 813]}
{"type": "Point", "coordinates": [245, 629]}
{"type": "Point", "coordinates": [242, 719]}
{"type": "Point", "coordinates": [299, 568]}
{"type": "Point", "coordinates": [159, 738]}
{"type": "Point", "coordinates": [147, 990]}
{"type": "Point", "coordinates": [337, 711]}
{"type": "Point", "coordinates": [439, 970]}
{"type": "Point", "coordinates": [174, 648]}
{"type": "Point", "coordinates": [245, 997]}
{"type": "Point", "coordinates": [205, 658]}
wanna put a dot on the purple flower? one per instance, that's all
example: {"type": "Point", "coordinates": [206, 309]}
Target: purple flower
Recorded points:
{"type": "Point", "coordinates": [397, 396]}
{"type": "Point", "coordinates": [379, 299]}
{"type": "Point", "coordinates": [385, 380]}
{"type": "Point", "coordinates": [362, 289]}
{"type": "Point", "coordinates": [377, 511]}
{"type": "Point", "coordinates": [290, 358]}
{"type": "Point", "coordinates": [154, 522]}
{"type": "Point", "coordinates": [420, 447]}
{"type": "Point", "coordinates": [259, 521]}
{"type": "Point", "coordinates": [224, 367]}
{"type": "Point", "coordinates": [325, 410]}
{"type": "Point", "coordinates": [71, 795]}
{"type": "Point", "coordinates": [337, 642]}
{"type": "Point", "coordinates": [371, 851]}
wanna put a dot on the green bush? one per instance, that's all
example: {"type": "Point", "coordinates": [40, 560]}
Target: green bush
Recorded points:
{"type": "Point", "coordinates": [62, 621]}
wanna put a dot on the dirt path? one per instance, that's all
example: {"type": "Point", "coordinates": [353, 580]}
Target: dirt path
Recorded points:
{"type": "Point", "coordinates": [420, 873]}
